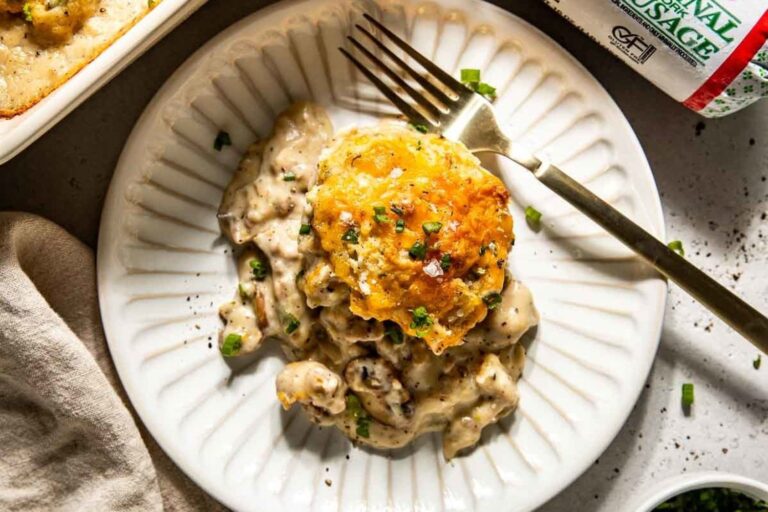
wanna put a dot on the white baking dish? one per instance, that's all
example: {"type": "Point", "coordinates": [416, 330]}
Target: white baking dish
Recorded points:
{"type": "Point", "coordinates": [18, 132]}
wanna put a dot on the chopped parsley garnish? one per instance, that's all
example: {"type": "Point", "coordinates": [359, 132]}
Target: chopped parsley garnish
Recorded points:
{"type": "Point", "coordinates": [350, 236]}
{"type": "Point", "coordinates": [469, 75]}
{"type": "Point", "coordinates": [399, 226]}
{"type": "Point", "coordinates": [533, 217]}
{"type": "Point", "coordinates": [471, 78]}
{"type": "Point", "coordinates": [757, 362]}
{"type": "Point", "coordinates": [305, 229]}
{"type": "Point", "coordinates": [421, 321]}
{"type": "Point", "coordinates": [289, 176]}
{"type": "Point", "coordinates": [27, 10]}
{"type": "Point", "coordinates": [380, 214]}
{"type": "Point", "coordinates": [232, 345]}
{"type": "Point", "coordinates": [362, 419]}
{"type": "Point", "coordinates": [259, 269]}
{"type": "Point", "coordinates": [431, 227]}
{"type": "Point", "coordinates": [712, 499]}
{"type": "Point", "coordinates": [396, 210]}
{"type": "Point", "coordinates": [486, 90]}
{"type": "Point", "coordinates": [222, 139]}
{"type": "Point", "coordinates": [291, 323]}
{"type": "Point", "coordinates": [418, 251]}
{"type": "Point", "coordinates": [687, 394]}
{"type": "Point", "coordinates": [244, 290]}
{"type": "Point", "coordinates": [394, 333]}
{"type": "Point", "coordinates": [420, 127]}
{"type": "Point", "coordinates": [445, 261]}
{"type": "Point", "coordinates": [677, 246]}
{"type": "Point", "coordinates": [492, 300]}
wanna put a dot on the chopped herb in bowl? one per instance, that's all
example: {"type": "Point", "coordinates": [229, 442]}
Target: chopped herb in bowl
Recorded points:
{"type": "Point", "coordinates": [712, 499]}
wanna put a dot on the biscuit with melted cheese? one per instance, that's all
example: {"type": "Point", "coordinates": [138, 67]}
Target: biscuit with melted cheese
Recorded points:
{"type": "Point", "coordinates": [416, 228]}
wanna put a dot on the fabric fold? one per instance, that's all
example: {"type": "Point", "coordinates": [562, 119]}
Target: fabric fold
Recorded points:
{"type": "Point", "coordinates": [69, 439]}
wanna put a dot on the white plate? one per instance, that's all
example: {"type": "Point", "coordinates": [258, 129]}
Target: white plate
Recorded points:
{"type": "Point", "coordinates": [164, 269]}
{"type": "Point", "coordinates": [20, 131]}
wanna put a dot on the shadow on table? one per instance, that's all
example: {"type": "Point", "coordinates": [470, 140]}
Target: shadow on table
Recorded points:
{"type": "Point", "coordinates": [638, 437]}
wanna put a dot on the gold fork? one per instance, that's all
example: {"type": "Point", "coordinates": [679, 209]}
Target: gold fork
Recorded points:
{"type": "Point", "coordinates": [460, 113]}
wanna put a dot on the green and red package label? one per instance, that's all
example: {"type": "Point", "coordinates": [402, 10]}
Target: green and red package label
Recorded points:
{"type": "Point", "coordinates": [710, 55]}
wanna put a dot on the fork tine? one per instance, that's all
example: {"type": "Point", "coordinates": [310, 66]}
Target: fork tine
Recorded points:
{"type": "Point", "coordinates": [411, 113]}
{"type": "Point", "coordinates": [415, 95]}
{"type": "Point", "coordinates": [426, 84]}
{"type": "Point", "coordinates": [431, 67]}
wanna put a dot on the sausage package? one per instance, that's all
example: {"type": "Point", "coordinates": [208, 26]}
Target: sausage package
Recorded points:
{"type": "Point", "coordinates": [710, 55]}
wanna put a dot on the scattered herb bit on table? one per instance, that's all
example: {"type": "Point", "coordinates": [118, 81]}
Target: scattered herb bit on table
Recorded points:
{"type": "Point", "coordinates": [758, 360]}
{"type": "Point", "coordinates": [687, 397]}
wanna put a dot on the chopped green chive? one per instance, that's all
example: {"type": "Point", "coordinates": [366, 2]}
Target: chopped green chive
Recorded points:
{"type": "Point", "coordinates": [420, 127]}
{"type": "Point", "coordinates": [362, 419]}
{"type": "Point", "coordinates": [677, 246]}
{"type": "Point", "coordinates": [445, 261]}
{"type": "Point", "coordinates": [244, 290]}
{"type": "Point", "coordinates": [471, 78]}
{"type": "Point", "coordinates": [380, 214]}
{"type": "Point", "coordinates": [469, 75]}
{"type": "Point", "coordinates": [486, 90]}
{"type": "Point", "coordinates": [363, 427]}
{"type": "Point", "coordinates": [222, 139]}
{"type": "Point", "coordinates": [354, 406]}
{"type": "Point", "coordinates": [232, 345]}
{"type": "Point", "coordinates": [399, 226]}
{"type": "Point", "coordinates": [492, 300]}
{"type": "Point", "coordinates": [533, 217]}
{"type": "Point", "coordinates": [418, 251]}
{"type": "Point", "coordinates": [396, 210]}
{"type": "Point", "coordinates": [394, 333]}
{"type": "Point", "coordinates": [305, 229]}
{"type": "Point", "coordinates": [757, 362]}
{"type": "Point", "coordinates": [687, 394]}
{"type": "Point", "coordinates": [259, 269]}
{"type": "Point", "coordinates": [350, 236]}
{"type": "Point", "coordinates": [431, 227]}
{"type": "Point", "coordinates": [289, 176]}
{"type": "Point", "coordinates": [291, 323]}
{"type": "Point", "coordinates": [421, 321]}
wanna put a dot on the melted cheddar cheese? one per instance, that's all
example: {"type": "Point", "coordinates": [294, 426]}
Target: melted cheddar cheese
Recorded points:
{"type": "Point", "coordinates": [416, 228]}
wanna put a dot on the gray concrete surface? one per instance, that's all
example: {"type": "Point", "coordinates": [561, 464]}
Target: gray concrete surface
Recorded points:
{"type": "Point", "coordinates": [712, 179]}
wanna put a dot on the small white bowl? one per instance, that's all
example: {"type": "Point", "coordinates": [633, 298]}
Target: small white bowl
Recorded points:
{"type": "Point", "coordinates": [666, 489]}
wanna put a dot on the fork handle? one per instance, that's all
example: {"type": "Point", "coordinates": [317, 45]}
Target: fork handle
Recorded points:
{"type": "Point", "coordinates": [735, 312]}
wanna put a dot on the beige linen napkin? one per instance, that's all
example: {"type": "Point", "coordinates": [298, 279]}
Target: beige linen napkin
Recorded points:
{"type": "Point", "coordinates": [68, 437]}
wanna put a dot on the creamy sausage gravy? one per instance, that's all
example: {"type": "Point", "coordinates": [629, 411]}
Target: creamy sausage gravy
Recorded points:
{"type": "Point", "coordinates": [379, 386]}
